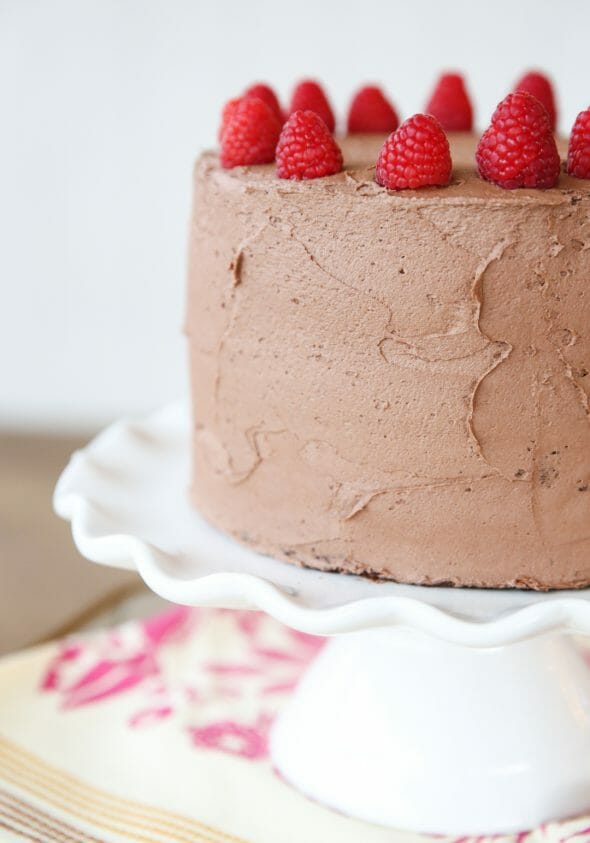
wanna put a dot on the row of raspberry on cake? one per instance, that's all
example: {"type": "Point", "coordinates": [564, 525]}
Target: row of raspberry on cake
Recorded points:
{"type": "Point", "coordinates": [372, 111]}
{"type": "Point", "coordinates": [517, 150]}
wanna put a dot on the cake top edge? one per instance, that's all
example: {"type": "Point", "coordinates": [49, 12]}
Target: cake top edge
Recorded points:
{"type": "Point", "coordinates": [358, 177]}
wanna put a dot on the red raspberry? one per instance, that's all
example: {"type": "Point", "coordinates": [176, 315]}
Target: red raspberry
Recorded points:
{"type": "Point", "coordinates": [415, 155]}
{"type": "Point", "coordinates": [267, 95]}
{"type": "Point", "coordinates": [309, 96]}
{"type": "Point", "coordinates": [578, 154]}
{"type": "Point", "coordinates": [518, 149]}
{"type": "Point", "coordinates": [250, 136]}
{"type": "Point", "coordinates": [450, 104]}
{"type": "Point", "coordinates": [306, 149]}
{"type": "Point", "coordinates": [371, 111]}
{"type": "Point", "coordinates": [227, 113]}
{"type": "Point", "coordinates": [540, 87]}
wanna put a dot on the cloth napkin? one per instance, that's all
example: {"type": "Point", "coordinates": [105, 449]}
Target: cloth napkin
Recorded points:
{"type": "Point", "coordinates": [156, 731]}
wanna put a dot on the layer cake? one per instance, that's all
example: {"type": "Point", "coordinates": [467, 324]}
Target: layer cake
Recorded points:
{"type": "Point", "coordinates": [394, 383]}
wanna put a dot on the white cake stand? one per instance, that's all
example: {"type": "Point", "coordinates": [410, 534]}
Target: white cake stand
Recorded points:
{"type": "Point", "coordinates": [450, 711]}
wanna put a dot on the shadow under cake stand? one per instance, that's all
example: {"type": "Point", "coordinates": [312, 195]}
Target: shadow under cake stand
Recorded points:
{"type": "Point", "coordinates": [451, 711]}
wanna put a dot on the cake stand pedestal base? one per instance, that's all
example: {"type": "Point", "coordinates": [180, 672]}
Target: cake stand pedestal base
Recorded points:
{"type": "Point", "coordinates": [453, 739]}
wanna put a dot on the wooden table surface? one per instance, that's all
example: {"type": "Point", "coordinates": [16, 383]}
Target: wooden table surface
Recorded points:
{"type": "Point", "coordinates": [46, 587]}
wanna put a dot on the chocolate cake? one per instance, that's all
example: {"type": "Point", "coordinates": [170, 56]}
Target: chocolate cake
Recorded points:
{"type": "Point", "coordinates": [394, 383]}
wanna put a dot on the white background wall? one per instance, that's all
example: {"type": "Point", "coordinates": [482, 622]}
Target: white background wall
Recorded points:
{"type": "Point", "coordinates": [105, 103]}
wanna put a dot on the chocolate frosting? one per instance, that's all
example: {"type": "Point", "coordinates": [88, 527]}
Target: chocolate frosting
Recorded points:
{"type": "Point", "coordinates": [394, 383]}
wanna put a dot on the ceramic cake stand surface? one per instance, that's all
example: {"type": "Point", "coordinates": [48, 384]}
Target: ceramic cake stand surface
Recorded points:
{"type": "Point", "coordinates": [451, 711]}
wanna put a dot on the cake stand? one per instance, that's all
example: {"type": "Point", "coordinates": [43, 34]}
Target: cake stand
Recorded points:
{"type": "Point", "coordinates": [451, 711]}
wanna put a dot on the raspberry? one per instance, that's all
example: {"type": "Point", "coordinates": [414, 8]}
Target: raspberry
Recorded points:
{"type": "Point", "coordinates": [309, 96]}
{"type": "Point", "coordinates": [267, 95]}
{"type": "Point", "coordinates": [518, 149]}
{"type": "Point", "coordinates": [227, 113]}
{"type": "Point", "coordinates": [371, 111]}
{"type": "Point", "coordinates": [250, 136]}
{"type": "Point", "coordinates": [578, 154]}
{"type": "Point", "coordinates": [450, 104]}
{"type": "Point", "coordinates": [306, 149]}
{"type": "Point", "coordinates": [540, 87]}
{"type": "Point", "coordinates": [415, 155]}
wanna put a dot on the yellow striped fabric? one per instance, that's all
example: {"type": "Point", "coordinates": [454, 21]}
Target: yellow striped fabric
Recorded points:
{"type": "Point", "coordinates": [70, 807]}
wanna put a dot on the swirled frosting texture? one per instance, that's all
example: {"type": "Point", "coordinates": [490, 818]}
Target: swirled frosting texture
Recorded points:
{"type": "Point", "coordinates": [394, 384]}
